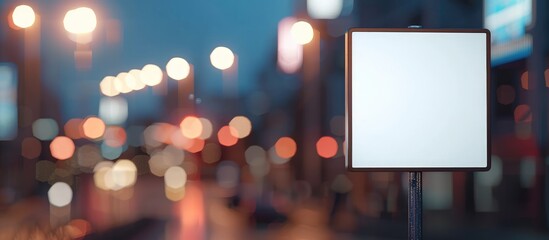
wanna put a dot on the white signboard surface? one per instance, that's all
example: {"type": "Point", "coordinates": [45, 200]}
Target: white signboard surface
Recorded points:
{"type": "Point", "coordinates": [417, 99]}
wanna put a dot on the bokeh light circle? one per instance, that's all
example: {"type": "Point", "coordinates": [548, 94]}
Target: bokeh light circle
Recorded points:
{"type": "Point", "coordinates": [80, 20]}
{"type": "Point", "coordinates": [326, 147]}
{"type": "Point", "coordinates": [151, 75]}
{"type": "Point", "coordinates": [240, 126]}
{"type": "Point", "coordinates": [302, 32]}
{"type": "Point", "coordinates": [178, 68]}
{"type": "Point", "coordinates": [23, 16]}
{"type": "Point", "coordinates": [222, 58]}
{"type": "Point", "coordinates": [191, 127]}
{"type": "Point", "coordinates": [62, 148]}
{"type": "Point", "coordinates": [225, 137]}
{"type": "Point", "coordinates": [285, 147]}
{"type": "Point", "coordinates": [175, 177]}
{"type": "Point", "coordinates": [93, 127]}
{"type": "Point", "coordinates": [60, 194]}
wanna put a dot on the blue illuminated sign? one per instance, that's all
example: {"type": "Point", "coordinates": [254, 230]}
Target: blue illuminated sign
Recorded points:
{"type": "Point", "coordinates": [508, 20]}
{"type": "Point", "coordinates": [8, 101]}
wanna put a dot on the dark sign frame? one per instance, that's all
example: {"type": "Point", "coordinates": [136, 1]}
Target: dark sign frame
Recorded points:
{"type": "Point", "coordinates": [348, 98]}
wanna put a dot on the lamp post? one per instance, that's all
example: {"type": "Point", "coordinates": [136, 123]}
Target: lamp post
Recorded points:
{"type": "Point", "coordinates": [183, 72]}
{"type": "Point", "coordinates": [80, 23]}
{"type": "Point", "coordinates": [225, 60]}
{"type": "Point", "coordinates": [24, 18]}
{"type": "Point", "coordinates": [304, 34]}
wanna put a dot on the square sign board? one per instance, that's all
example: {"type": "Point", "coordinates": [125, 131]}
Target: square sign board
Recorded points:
{"type": "Point", "coordinates": [417, 99]}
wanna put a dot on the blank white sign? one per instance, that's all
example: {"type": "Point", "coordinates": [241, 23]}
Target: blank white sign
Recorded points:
{"type": "Point", "coordinates": [417, 99]}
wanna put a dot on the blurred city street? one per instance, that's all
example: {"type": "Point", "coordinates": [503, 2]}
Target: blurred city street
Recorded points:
{"type": "Point", "coordinates": [227, 120]}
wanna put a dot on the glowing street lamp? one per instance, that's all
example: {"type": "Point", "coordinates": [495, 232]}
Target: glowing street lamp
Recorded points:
{"type": "Point", "coordinates": [222, 58]}
{"type": "Point", "coordinates": [23, 16]}
{"type": "Point", "coordinates": [302, 32]}
{"type": "Point", "coordinates": [178, 68]}
{"type": "Point", "coordinates": [80, 23]}
{"type": "Point", "coordinates": [80, 20]}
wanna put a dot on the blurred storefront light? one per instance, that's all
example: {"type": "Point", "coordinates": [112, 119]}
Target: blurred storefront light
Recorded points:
{"type": "Point", "coordinates": [45, 129]}
{"type": "Point", "coordinates": [60, 194]}
{"type": "Point", "coordinates": [23, 16]}
{"type": "Point", "coordinates": [8, 101]}
{"type": "Point", "coordinates": [113, 110]}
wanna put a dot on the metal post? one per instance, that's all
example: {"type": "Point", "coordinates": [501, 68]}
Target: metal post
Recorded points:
{"type": "Point", "coordinates": [415, 208]}
{"type": "Point", "coordinates": [415, 203]}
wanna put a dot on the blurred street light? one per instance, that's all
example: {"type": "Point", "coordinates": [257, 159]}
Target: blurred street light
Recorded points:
{"type": "Point", "coordinates": [107, 86]}
{"type": "Point", "coordinates": [81, 20]}
{"type": "Point", "coordinates": [321, 9]}
{"type": "Point", "coordinates": [23, 16]}
{"type": "Point", "coordinates": [302, 32]}
{"type": "Point", "coordinates": [178, 68]}
{"type": "Point", "coordinates": [222, 58]}
{"type": "Point", "coordinates": [151, 75]}
{"type": "Point", "coordinates": [290, 53]}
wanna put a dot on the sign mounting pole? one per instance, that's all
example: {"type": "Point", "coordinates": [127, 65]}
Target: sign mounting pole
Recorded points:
{"type": "Point", "coordinates": [415, 208]}
{"type": "Point", "coordinates": [413, 110]}
{"type": "Point", "coordinates": [415, 201]}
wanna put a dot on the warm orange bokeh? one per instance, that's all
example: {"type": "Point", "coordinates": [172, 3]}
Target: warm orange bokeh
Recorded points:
{"type": "Point", "coordinates": [285, 147]}
{"type": "Point", "coordinates": [196, 146]}
{"type": "Point", "coordinates": [78, 228]}
{"type": "Point", "coordinates": [523, 114]}
{"type": "Point", "coordinates": [93, 127]}
{"type": "Point", "coordinates": [115, 136]}
{"type": "Point", "coordinates": [73, 128]}
{"type": "Point", "coordinates": [62, 148]}
{"type": "Point", "coordinates": [225, 137]}
{"type": "Point", "coordinates": [326, 147]}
